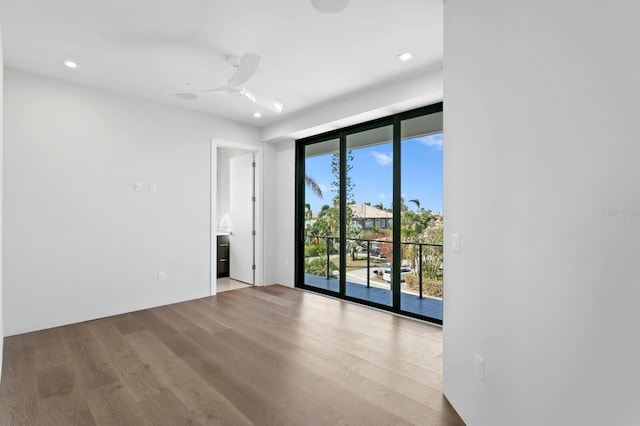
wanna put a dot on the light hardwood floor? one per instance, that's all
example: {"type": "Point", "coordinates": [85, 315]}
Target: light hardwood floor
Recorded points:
{"type": "Point", "coordinates": [259, 355]}
{"type": "Point", "coordinates": [226, 284]}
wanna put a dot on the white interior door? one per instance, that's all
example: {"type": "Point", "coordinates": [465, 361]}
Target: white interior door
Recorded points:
{"type": "Point", "coordinates": [241, 189]}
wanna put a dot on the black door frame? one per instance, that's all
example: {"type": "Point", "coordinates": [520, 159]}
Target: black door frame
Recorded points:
{"type": "Point", "coordinates": [341, 134]}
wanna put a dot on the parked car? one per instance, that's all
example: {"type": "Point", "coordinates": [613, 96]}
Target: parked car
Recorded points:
{"type": "Point", "coordinates": [377, 252]}
{"type": "Point", "coordinates": [404, 270]}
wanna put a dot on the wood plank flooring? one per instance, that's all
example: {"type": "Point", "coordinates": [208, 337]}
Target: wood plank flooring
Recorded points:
{"type": "Point", "coordinates": [259, 355]}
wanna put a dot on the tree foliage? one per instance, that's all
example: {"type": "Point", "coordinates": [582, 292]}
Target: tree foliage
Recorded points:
{"type": "Point", "coordinates": [354, 233]}
{"type": "Point", "coordinates": [313, 185]}
{"type": "Point", "coordinates": [319, 228]}
{"type": "Point", "coordinates": [335, 184]}
{"type": "Point", "coordinates": [416, 226]}
{"type": "Point", "coordinates": [318, 266]}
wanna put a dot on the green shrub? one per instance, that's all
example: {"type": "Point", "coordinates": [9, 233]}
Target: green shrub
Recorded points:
{"type": "Point", "coordinates": [319, 267]}
{"type": "Point", "coordinates": [315, 250]}
{"type": "Point", "coordinates": [430, 287]}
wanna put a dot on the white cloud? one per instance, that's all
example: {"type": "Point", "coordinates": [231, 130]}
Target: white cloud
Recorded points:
{"type": "Point", "coordinates": [382, 158]}
{"type": "Point", "coordinates": [382, 196]}
{"type": "Point", "coordinates": [432, 141]}
{"type": "Point", "coordinates": [323, 187]}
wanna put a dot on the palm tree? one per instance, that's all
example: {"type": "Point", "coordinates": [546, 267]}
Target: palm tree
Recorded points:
{"type": "Point", "coordinates": [324, 210]}
{"type": "Point", "coordinates": [313, 185]}
{"type": "Point", "coordinates": [416, 202]}
{"type": "Point", "coordinates": [354, 234]}
{"type": "Point", "coordinates": [379, 206]}
{"type": "Point", "coordinates": [308, 214]}
{"type": "Point", "coordinates": [403, 206]}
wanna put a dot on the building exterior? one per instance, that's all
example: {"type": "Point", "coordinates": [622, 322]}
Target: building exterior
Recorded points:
{"type": "Point", "coordinates": [371, 217]}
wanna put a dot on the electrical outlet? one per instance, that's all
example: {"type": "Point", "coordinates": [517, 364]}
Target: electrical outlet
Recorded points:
{"type": "Point", "coordinates": [479, 367]}
{"type": "Point", "coordinates": [162, 276]}
{"type": "Point", "coordinates": [137, 186]}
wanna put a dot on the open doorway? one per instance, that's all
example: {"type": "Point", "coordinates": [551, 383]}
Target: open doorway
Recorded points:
{"type": "Point", "coordinates": [235, 216]}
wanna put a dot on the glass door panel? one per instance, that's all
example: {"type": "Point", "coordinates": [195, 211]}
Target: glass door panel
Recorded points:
{"type": "Point", "coordinates": [369, 196]}
{"type": "Point", "coordinates": [322, 215]}
{"type": "Point", "coordinates": [421, 216]}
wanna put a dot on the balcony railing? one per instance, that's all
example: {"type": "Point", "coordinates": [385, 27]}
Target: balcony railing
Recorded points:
{"type": "Point", "coordinates": [423, 259]}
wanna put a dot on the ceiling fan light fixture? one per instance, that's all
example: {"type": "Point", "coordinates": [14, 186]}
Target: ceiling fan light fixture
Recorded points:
{"type": "Point", "coordinates": [329, 6]}
{"type": "Point", "coordinates": [70, 64]}
{"type": "Point", "coordinates": [406, 56]}
{"type": "Point", "coordinates": [257, 115]}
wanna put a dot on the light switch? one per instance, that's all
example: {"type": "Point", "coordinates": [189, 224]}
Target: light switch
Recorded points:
{"type": "Point", "coordinates": [137, 186]}
{"type": "Point", "coordinates": [479, 367]}
{"type": "Point", "coordinates": [455, 244]}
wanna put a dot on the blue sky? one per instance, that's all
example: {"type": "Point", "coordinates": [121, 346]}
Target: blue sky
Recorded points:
{"type": "Point", "coordinates": [372, 174]}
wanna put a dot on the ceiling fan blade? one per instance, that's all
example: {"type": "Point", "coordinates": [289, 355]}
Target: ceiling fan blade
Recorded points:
{"type": "Point", "coordinates": [186, 95]}
{"type": "Point", "coordinates": [193, 95]}
{"type": "Point", "coordinates": [246, 67]}
{"type": "Point", "coordinates": [216, 90]}
{"type": "Point", "coordinates": [270, 104]}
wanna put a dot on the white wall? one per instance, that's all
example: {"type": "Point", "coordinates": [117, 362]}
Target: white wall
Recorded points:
{"type": "Point", "coordinates": [271, 210]}
{"type": "Point", "coordinates": [541, 146]}
{"type": "Point", "coordinates": [285, 218]}
{"type": "Point", "coordinates": [79, 242]}
{"type": "Point", "coordinates": [279, 210]}
{"type": "Point", "coordinates": [422, 88]}
{"type": "Point", "coordinates": [1, 202]}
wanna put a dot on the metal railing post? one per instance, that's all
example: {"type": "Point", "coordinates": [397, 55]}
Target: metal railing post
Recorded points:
{"type": "Point", "coordinates": [328, 269]}
{"type": "Point", "coordinates": [420, 269]}
{"type": "Point", "coordinates": [368, 263]}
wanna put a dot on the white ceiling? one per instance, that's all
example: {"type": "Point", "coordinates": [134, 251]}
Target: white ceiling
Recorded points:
{"type": "Point", "coordinates": [146, 48]}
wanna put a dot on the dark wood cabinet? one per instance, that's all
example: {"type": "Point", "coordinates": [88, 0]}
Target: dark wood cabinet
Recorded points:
{"type": "Point", "coordinates": [223, 256]}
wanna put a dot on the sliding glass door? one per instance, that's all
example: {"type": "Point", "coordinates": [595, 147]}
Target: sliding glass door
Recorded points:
{"type": "Point", "coordinates": [321, 218]}
{"type": "Point", "coordinates": [369, 217]}
{"type": "Point", "coordinates": [369, 213]}
{"type": "Point", "coordinates": [421, 218]}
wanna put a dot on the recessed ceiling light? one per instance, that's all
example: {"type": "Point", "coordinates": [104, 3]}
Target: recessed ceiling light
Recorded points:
{"type": "Point", "coordinates": [257, 115]}
{"type": "Point", "coordinates": [70, 64]}
{"type": "Point", "coordinates": [406, 56]}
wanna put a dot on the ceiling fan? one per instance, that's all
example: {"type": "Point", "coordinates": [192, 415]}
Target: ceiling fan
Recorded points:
{"type": "Point", "coordinates": [244, 69]}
